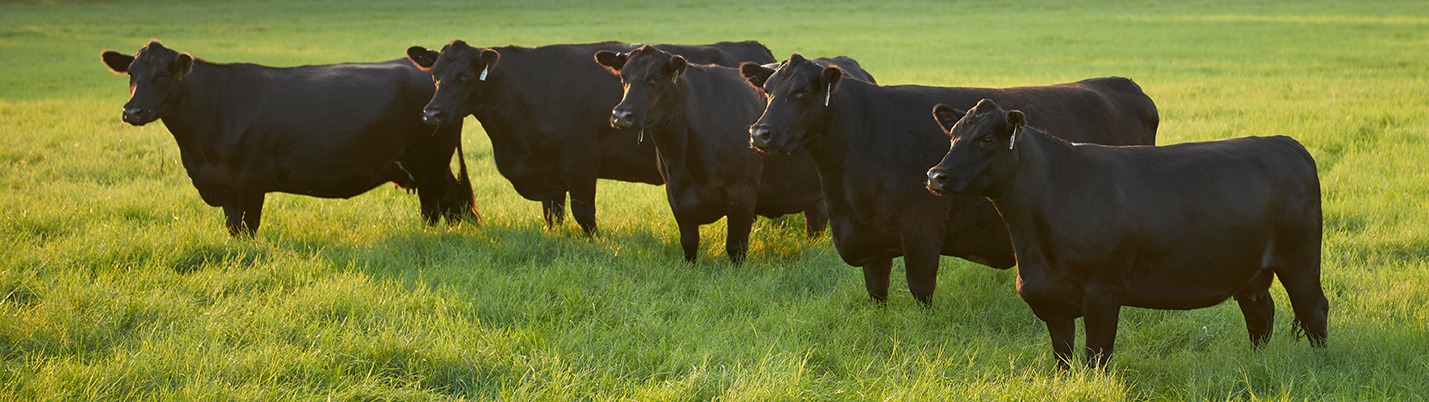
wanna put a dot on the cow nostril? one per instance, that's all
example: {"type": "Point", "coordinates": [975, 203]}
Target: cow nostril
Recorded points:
{"type": "Point", "coordinates": [431, 116]}
{"type": "Point", "coordinates": [761, 134]}
{"type": "Point", "coordinates": [132, 114]}
{"type": "Point", "coordinates": [623, 116]}
{"type": "Point", "coordinates": [937, 178]}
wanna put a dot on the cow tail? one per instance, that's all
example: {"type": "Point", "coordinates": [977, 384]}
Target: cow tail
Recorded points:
{"type": "Point", "coordinates": [464, 183]}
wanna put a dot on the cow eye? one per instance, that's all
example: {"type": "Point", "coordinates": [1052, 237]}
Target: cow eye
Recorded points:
{"type": "Point", "coordinates": [652, 80]}
{"type": "Point", "coordinates": [799, 94]}
{"type": "Point", "coordinates": [987, 139]}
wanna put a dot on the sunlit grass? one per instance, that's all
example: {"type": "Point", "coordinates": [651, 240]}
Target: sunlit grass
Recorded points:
{"type": "Point", "coordinates": [117, 282]}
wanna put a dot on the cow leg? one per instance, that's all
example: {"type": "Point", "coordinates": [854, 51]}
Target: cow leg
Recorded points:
{"type": "Point", "coordinates": [253, 212]}
{"type": "Point", "coordinates": [234, 214]}
{"type": "Point", "coordinates": [1297, 263]}
{"type": "Point", "coordinates": [816, 219]}
{"type": "Point", "coordinates": [430, 169]}
{"type": "Point", "coordinates": [1102, 312]}
{"type": "Point", "coordinates": [689, 238]}
{"type": "Point", "coordinates": [736, 243]}
{"type": "Point", "coordinates": [875, 278]}
{"type": "Point", "coordinates": [1258, 307]}
{"type": "Point", "coordinates": [554, 211]}
{"type": "Point", "coordinates": [429, 194]}
{"type": "Point", "coordinates": [463, 200]}
{"type": "Point", "coordinates": [921, 269]}
{"type": "Point", "coordinates": [458, 204]}
{"type": "Point", "coordinates": [243, 214]}
{"type": "Point", "coordinates": [583, 206]}
{"type": "Point", "coordinates": [1064, 336]}
{"type": "Point", "coordinates": [1308, 300]}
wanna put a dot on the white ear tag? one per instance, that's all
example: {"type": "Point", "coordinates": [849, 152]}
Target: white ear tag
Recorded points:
{"type": "Point", "coordinates": [828, 94]}
{"type": "Point", "coordinates": [1012, 141]}
{"type": "Point", "coordinates": [483, 73]}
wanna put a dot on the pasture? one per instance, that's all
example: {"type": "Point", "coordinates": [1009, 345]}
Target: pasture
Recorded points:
{"type": "Point", "coordinates": [118, 283]}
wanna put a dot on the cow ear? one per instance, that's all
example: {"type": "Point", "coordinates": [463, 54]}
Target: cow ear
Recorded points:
{"type": "Point", "coordinates": [832, 75]}
{"type": "Point", "coordinates": [183, 64]}
{"type": "Point", "coordinates": [612, 61]}
{"type": "Point", "coordinates": [676, 66]}
{"type": "Point", "coordinates": [489, 59]}
{"type": "Point", "coordinates": [422, 57]}
{"type": "Point", "coordinates": [1016, 118]}
{"type": "Point", "coordinates": [117, 62]}
{"type": "Point", "coordinates": [947, 116]}
{"type": "Point", "coordinates": [755, 73]}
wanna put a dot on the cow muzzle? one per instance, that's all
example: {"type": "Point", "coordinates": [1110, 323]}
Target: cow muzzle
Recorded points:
{"type": "Point", "coordinates": [138, 116]}
{"type": "Point", "coordinates": [624, 119]}
{"type": "Point", "coordinates": [432, 117]}
{"type": "Point", "coordinates": [939, 182]}
{"type": "Point", "coordinates": [761, 137]}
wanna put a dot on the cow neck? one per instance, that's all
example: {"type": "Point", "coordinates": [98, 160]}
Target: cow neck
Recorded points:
{"type": "Point", "coordinates": [192, 119]}
{"type": "Point", "coordinates": [841, 134]}
{"type": "Point", "coordinates": [1041, 159]}
{"type": "Point", "coordinates": [673, 135]}
{"type": "Point", "coordinates": [495, 100]}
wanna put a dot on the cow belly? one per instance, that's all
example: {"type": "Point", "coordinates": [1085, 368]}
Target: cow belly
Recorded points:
{"type": "Point", "coordinates": [859, 244]}
{"type": "Point", "coordinates": [342, 187]}
{"type": "Point", "coordinates": [333, 186]}
{"type": "Point", "coordinates": [327, 182]}
{"type": "Point", "coordinates": [213, 185]}
{"type": "Point", "coordinates": [1189, 287]}
{"type": "Point", "coordinates": [696, 204]}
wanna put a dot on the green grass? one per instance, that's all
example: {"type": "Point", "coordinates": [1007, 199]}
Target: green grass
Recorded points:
{"type": "Point", "coordinates": [117, 282]}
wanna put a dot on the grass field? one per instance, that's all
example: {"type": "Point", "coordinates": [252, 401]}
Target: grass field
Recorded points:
{"type": "Point", "coordinates": [118, 283]}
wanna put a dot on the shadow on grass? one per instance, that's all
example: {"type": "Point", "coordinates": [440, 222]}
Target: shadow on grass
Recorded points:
{"type": "Point", "coordinates": [241, 254]}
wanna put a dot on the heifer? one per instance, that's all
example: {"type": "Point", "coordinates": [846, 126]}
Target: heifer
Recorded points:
{"type": "Point", "coordinates": [870, 151]}
{"type": "Point", "coordinates": [1176, 227]}
{"type": "Point", "coordinates": [697, 116]}
{"type": "Point", "coordinates": [331, 131]}
{"type": "Point", "coordinates": [547, 112]}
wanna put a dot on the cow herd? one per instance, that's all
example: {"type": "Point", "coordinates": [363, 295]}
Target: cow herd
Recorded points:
{"type": "Point", "coordinates": [1064, 181]}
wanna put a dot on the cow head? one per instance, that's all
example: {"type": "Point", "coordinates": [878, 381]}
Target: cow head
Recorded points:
{"type": "Point", "coordinates": [982, 157]}
{"type": "Point", "coordinates": [651, 78]}
{"type": "Point", "coordinates": [460, 72]}
{"type": "Point", "coordinates": [801, 95]}
{"type": "Point", "coordinates": [156, 76]}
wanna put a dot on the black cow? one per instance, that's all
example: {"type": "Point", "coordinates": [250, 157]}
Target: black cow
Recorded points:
{"type": "Point", "coordinates": [1176, 227]}
{"type": "Point", "coordinates": [697, 116]}
{"type": "Point", "coordinates": [332, 131]}
{"type": "Point", "coordinates": [547, 111]}
{"type": "Point", "coordinates": [871, 151]}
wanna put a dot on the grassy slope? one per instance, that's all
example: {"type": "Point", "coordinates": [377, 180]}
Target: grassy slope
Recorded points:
{"type": "Point", "coordinates": [118, 282]}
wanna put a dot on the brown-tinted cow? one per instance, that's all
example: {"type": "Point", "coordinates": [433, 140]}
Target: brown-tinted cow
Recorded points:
{"type": "Point", "coordinates": [697, 116]}
{"type": "Point", "coordinates": [332, 131]}
{"type": "Point", "coordinates": [1175, 227]}
{"type": "Point", "coordinates": [871, 151]}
